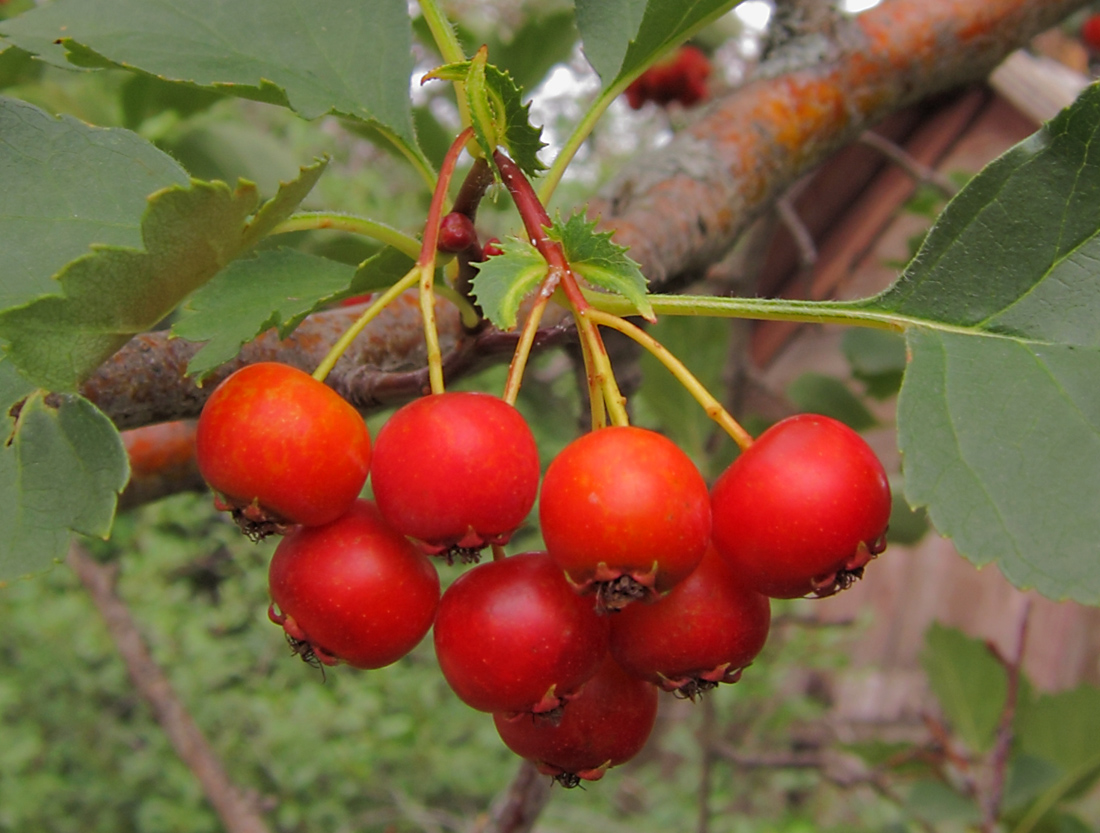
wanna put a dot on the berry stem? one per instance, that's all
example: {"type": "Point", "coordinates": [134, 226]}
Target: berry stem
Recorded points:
{"type": "Point", "coordinates": [712, 406]}
{"type": "Point", "coordinates": [601, 376]}
{"type": "Point", "coordinates": [369, 314]}
{"type": "Point", "coordinates": [425, 264]}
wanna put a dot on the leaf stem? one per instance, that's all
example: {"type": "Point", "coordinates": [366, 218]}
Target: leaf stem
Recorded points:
{"type": "Point", "coordinates": [315, 220]}
{"type": "Point", "coordinates": [710, 405]}
{"type": "Point", "coordinates": [852, 313]}
{"type": "Point", "coordinates": [443, 33]}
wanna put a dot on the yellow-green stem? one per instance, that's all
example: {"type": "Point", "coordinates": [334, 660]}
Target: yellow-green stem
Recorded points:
{"type": "Point", "coordinates": [523, 347]}
{"type": "Point", "coordinates": [369, 314]}
{"type": "Point", "coordinates": [431, 334]}
{"type": "Point", "coordinates": [710, 405]}
{"type": "Point", "coordinates": [317, 220]}
{"type": "Point", "coordinates": [601, 375]}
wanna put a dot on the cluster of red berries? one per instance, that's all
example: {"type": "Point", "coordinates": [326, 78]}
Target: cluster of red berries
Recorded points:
{"type": "Point", "coordinates": [648, 581]}
{"type": "Point", "coordinates": [681, 77]}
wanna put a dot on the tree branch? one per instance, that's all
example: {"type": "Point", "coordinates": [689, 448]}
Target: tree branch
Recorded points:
{"type": "Point", "coordinates": [679, 209]}
{"type": "Point", "coordinates": [682, 207]}
{"type": "Point", "coordinates": [236, 812]}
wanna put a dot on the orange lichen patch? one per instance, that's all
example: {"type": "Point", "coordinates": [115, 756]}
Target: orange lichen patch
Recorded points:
{"type": "Point", "coordinates": [899, 39]}
{"type": "Point", "coordinates": [802, 109]}
{"type": "Point", "coordinates": [155, 448]}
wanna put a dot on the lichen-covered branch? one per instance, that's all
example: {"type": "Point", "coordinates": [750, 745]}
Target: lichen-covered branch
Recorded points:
{"type": "Point", "coordinates": [681, 208]}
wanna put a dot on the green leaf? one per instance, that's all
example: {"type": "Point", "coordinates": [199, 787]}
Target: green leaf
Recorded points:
{"type": "Point", "coordinates": [60, 473]}
{"type": "Point", "coordinates": [1062, 728]}
{"type": "Point", "coordinates": [115, 292]}
{"type": "Point", "coordinates": [276, 288]}
{"type": "Point", "coordinates": [817, 393]}
{"type": "Point", "coordinates": [66, 186]}
{"type": "Point", "coordinates": [999, 413]}
{"type": "Point", "coordinates": [350, 57]}
{"type": "Point", "coordinates": [504, 280]}
{"type": "Point", "coordinates": [500, 118]}
{"type": "Point", "coordinates": [934, 801]}
{"type": "Point", "coordinates": [970, 683]}
{"type": "Point", "coordinates": [601, 262]}
{"type": "Point", "coordinates": [622, 37]}
{"type": "Point", "coordinates": [877, 358]}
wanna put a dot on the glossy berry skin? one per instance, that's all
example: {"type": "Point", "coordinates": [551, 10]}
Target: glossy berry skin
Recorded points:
{"type": "Point", "coordinates": [681, 77]}
{"type": "Point", "coordinates": [277, 444]}
{"type": "Point", "coordinates": [606, 725]}
{"type": "Point", "coordinates": [512, 636]}
{"type": "Point", "coordinates": [352, 591]}
{"type": "Point", "coordinates": [456, 471]}
{"type": "Point", "coordinates": [705, 631]}
{"type": "Point", "coordinates": [624, 501]}
{"type": "Point", "coordinates": [456, 233]}
{"type": "Point", "coordinates": [803, 509]}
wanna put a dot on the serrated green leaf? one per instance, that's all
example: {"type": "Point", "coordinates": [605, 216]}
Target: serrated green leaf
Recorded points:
{"type": "Point", "coordinates": [601, 262]}
{"type": "Point", "coordinates": [60, 473]}
{"type": "Point", "coordinates": [66, 186]}
{"type": "Point", "coordinates": [115, 292]}
{"type": "Point", "coordinates": [277, 288]}
{"type": "Point", "coordinates": [504, 280]}
{"type": "Point", "coordinates": [349, 57]}
{"type": "Point", "coordinates": [969, 682]}
{"type": "Point", "coordinates": [622, 36]}
{"type": "Point", "coordinates": [500, 118]}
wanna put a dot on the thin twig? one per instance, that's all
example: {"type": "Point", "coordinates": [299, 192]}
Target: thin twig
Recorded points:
{"type": "Point", "coordinates": [236, 811]}
{"type": "Point", "coordinates": [1002, 745]}
{"type": "Point", "coordinates": [517, 809]}
{"type": "Point", "coordinates": [907, 162]}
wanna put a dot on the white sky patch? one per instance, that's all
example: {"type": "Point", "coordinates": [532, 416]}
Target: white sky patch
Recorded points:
{"type": "Point", "coordinates": [856, 6]}
{"type": "Point", "coordinates": [755, 14]}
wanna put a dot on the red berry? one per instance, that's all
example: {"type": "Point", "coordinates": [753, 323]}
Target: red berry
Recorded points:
{"type": "Point", "coordinates": [803, 509]}
{"type": "Point", "coordinates": [607, 724]}
{"type": "Point", "coordinates": [1090, 32]}
{"type": "Point", "coordinates": [681, 77]}
{"type": "Point", "coordinates": [456, 233]}
{"type": "Point", "coordinates": [353, 590]}
{"type": "Point", "coordinates": [705, 631]}
{"type": "Point", "coordinates": [280, 448]}
{"type": "Point", "coordinates": [457, 471]}
{"type": "Point", "coordinates": [512, 636]}
{"type": "Point", "coordinates": [625, 513]}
